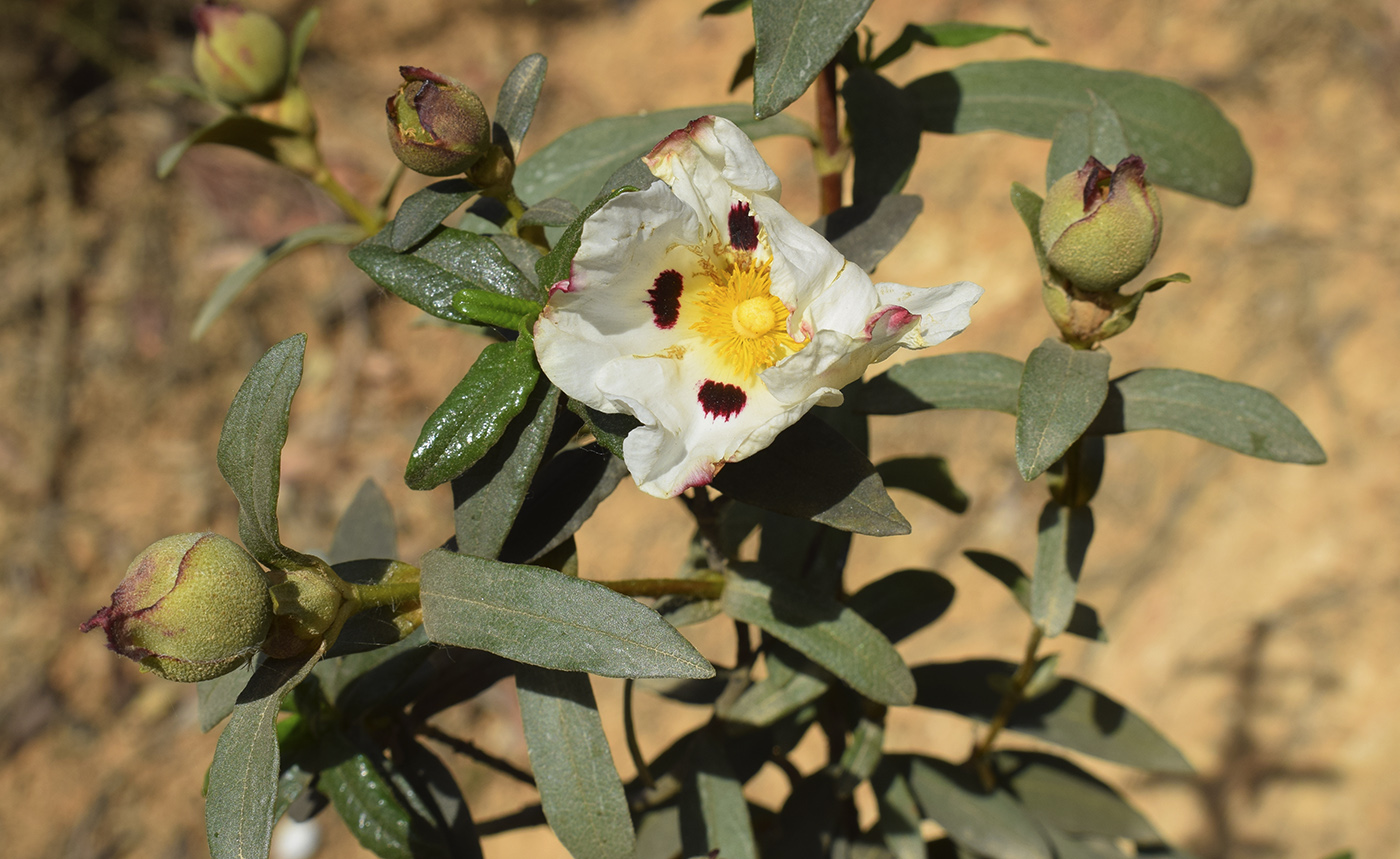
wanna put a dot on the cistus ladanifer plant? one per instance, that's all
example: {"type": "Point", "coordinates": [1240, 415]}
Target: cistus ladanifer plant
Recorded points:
{"type": "Point", "coordinates": [654, 313]}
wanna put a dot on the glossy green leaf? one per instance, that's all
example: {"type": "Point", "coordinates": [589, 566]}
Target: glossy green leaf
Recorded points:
{"type": "Point", "coordinates": [573, 767]}
{"type": "Point", "coordinates": [545, 618]}
{"type": "Point", "coordinates": [373, 811]}
{"type": "Point", "coordinates": [1187, 142]}
{"type": "Point", "coordinates": [828, 632]}
{"type": "Point", "coordinates": [714, 813]}
{"type": "Point", "coordinates": [949, 34]}
{"type": "Point", "coordinates": [440, 267]}
{"type": "Point", "coordinates": [232, 129]}
{"type": "Point", "coordinates": [488, 496]}
{"type": "Point", "coordinates": [1230, 414]}
{"type": "Point", "coordinates": [885, 130]}
{"type": "Point", "coordinates": [515, 105]}
{"type": "Point", "coordinates": [1062, 389]}
{"type": "Point", "coordinates": [366, 530]}
{"type": "Point", "coordinates": [1065, 797]}
{"type": "Point", "coordinates": [424, 211]}
{"type": "Point", "coordinates": [966, 380]}
{"type": "Point", "coordinates": [250, 451]}
{"type": "Point", "coordinates": [217, 697]}
{"type": "Point", "coordinates": [233, 283]}
{"type": "Point", "coordinates": [990, 823]}
{"type": "Point", "coordinates": [474, 415]}
{"type": "Point", "coordinates": [242, 780]}
{"type": "Point", "coordinates": [793, 42]}
{"type": "Point", "coordinates": [1069, 714]}
{"type": "Point", "coordinates": [577, 163]}
{"type": "Point", "coordinates": [865, 234]}
{"type": "Point", "coordinates": [1063, 539]}
{"type": "Point", "coordinates": [1083, 621]}
{"type": "Point", "coordinates": [928, 476]}
{"type": "Point", "coordinates": [565, 493]}
{"type": "Point", "coordinates": [903, 602]}
{"type": "Point", "coordinates": [1096, 132]}
{"type": "Point", "coordinates": [845, 493]}
{"type": "Point", "coordinates": [899, 812]}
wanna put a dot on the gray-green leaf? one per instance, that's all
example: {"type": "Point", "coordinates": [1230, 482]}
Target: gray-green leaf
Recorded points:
{"type": "Point", "coordinates": [990, 823]}
{"type": "Point", "coordinates": [1061, 795]}
{"type": "Point", "coordinates": [1083, 621]}
{"type": "Point", "coordinates": [965, 380]}
{"type": "Point", "coordinates": [366, 530]}
{"type": "Point", "coordinates": [1063, 539]}
{"type": "Point", "coordinates": [515, 105]}
{"type": "Point", "coordinates": [1062, 390]}
{"type": "Point", "coordinates": [926, 475]}
{"type": "Point", "coordinates": [866, 233]}
{"type": "Point", "coordinates": [1096, 132]}
{"type": "Point", "coordinates": [542, 617]}
{"type": "Point", "coordinates": [793, 41]}
{"type": "Point", "coordinates": [423, 211]}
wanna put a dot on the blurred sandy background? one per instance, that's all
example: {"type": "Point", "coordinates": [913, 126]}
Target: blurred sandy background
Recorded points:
{"type": "Point", "coordinates": [1252, 607]}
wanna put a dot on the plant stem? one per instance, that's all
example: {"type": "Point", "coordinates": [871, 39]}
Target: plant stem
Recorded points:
{"type": "Point", "coordinates": [393, 594]}
{"type": "Point", "coordinates": [708, 589]}
{"type": "Point", "coordinates": [348, 203]}
{"type": "Point", "coordinates": [470, 749]}
{"type": "Point", "coordinates": [829, 129]}
{"type": "Point", "coordinates": [1010, 699]}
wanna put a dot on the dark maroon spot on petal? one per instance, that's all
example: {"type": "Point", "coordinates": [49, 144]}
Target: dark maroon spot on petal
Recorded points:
{"type": "Point", "coordinates": [665, 298]}
{"type": "Point", "coordinates": [720, 400]}
{"type": "Point", "coordinates": [743, 227]}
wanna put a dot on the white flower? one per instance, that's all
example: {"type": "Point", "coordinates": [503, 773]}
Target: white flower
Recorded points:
{"type": "Point", "coordinates": [707, 311]}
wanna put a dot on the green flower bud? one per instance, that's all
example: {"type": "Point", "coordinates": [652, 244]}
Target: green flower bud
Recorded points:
{"type": "Point", "coordinates": [437, 126]}
{"type": "Point", "coordinates": [191, 607]}
{"type": "Point", "coordinates": [240, 57]}
{"type": "Point", "coordinates": [305, 605]}
{"type": "Point", "coordinates": [1101, 228]}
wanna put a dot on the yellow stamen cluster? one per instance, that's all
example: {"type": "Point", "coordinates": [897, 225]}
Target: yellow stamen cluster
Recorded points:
{"type": "Point", "coordinates": [745, 322]}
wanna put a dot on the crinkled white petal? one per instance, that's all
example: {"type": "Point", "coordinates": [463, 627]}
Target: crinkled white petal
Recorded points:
{"type": "Point", "coordinates": [806, 268]}
{"type": "Point", "coordinates": [710, 165]}
{"type": "Point", "coordinates": [943, 311]}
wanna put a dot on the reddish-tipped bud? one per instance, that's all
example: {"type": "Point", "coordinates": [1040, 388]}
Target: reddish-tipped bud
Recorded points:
{"type": "Point", "coordinates": [1100, 228]}
{"type": "Point", "coordinates": [191, 607]}
{"type": "Point", "coordinates": [240, 57]}
{"type": "Point", "coordinates": [437, 126]}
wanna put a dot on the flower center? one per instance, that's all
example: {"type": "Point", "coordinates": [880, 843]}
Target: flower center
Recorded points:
{"type": "Point", "coordinates": [744, 322]}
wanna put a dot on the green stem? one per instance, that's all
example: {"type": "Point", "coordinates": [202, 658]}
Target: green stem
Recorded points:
{"type": "Point", "coordinates": [393, 594]}
{"type": "Point", "coordinates": [370, 221]}
{"type": "Point", "coordinates": [709, 589]}
{"type": "Point", "coordinates": [1010, 700]}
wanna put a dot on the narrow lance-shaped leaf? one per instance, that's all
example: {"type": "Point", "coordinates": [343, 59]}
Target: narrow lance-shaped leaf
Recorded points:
{"type": "Point", "coordinates": [1064, 537]}
{"type": "Point", "coordinates": [250, 451]}
{"type": "Point", "coordinates": [573, 767]}
{"type": "Point", "coordinates": [474, 415]}
{"type": "Point", "coordinates": [1062, 389]}
{"type": "Point", "coordinates": [1230, 414]}
{"type": "Point", "coordinates": [365, 799]}
{"type": "Point", "coordinates": [542, 617]}
{"type": "Point", "coordinates": [515, 105]}
{"type": "Point", "coordinates": [990, 823]}
{"type": "Point", "coordinates": [366, 530]}
{"type": "Point", "coordinates": [1064, 796]}
{"type": "Point", "coordinates": [1096, 132]}
{"type": "Point", "coordinates": [1083, 621]}
{"type": "Point", "coordinates": [967, 380]}
{"type": "Point", "coordinates": [714, 813]}
{"type": "Point", "coordinates": [885, 133]}
{"type": "Point", "coordinates": [899, 813]}
{"type": "Point", "coordinates": [793, 41]}
{"type": "Point", "coordinates": [866, 233]}
{"type": "Point", "coordinates": [423, 211]}
{"type": "Point", "coordinates": [437, 269]}
{"type": "Point", "coordinates": [949, 34]}
{"type": "Point", "coordinates": [928, 476]}
{"type": "Point", "coordinates": [831, 633]}
{"type": "Point", "coordinates": [233, 129]}
{"type": "Point", "coordinates": [1187, 142]}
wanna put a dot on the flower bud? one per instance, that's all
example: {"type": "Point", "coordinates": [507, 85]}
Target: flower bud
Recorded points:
{"type": "Point", "coordinates": [240, 57]}
{"type": "Point", "coordinates": [1101, 228]}
{"type": "Point", "coordinates": [437, 126]}
{"type": "Point", "coordinates": [305, 604]}
{"type": "Point", "coordinates": [191, 607]}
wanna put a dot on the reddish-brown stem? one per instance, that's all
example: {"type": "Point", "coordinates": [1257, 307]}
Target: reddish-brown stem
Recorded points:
{"type": "Point", "coordinates": [829, 129]}
{"type": "Point", "coordinates": [702, 588]}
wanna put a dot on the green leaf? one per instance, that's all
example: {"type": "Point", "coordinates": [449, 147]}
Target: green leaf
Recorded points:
{"type": "Point", "coordinates": [1028, 205]}
{"type": "Point", "coordinates": [793, 682]}
{"type": "Point", "coordinates": [557, 265]}
{"type": "Point", "coordinates": [545, 618]}
{"type": "Point", "coordinates": [926, 475]}
{"type": "Point", "coordinates": [794, 40]}
{"type": "Point", "coordinates": [1233, 415]}
{"type": "Point", "coordinates": [610, 430]}
{"type": "Point", "coordinates": [579, 786]}
{"type": "Point", "coordinates": [301, 35]}
{"type": "Point", "coordinates": [436, 787]}
{"type": "Point", "coordinates": [577, 163]}
{"type": "Point", "coordinates": [885, 128]}
{"type": "Point", "coordinates": [948, 34]}
{"type": "Point", "coordinates": [367, 529]}
{"type": "Point", "coordinates": [714, 813]}
{"type": "Point", "coordinates": [1064, 535]}
{"type": "Point", "coordinates": [436, 270]}
{"type": "Point", "coordinates": [515, 105]}
{"type": "Point", "coordinates": [903, 602]}
{"type": "Point", "coordinates": [242, 780]}
{"type": "Point", "coordinates": [861, 757]}
{"type": "Point", "coordinates": [217, 697]}
{"type": "Point", "coordinates": [1065, 797]}
{"type": "Point", "coordinates": [424, 210]}
{"type": "Point", "coordinates": [845, 493]}
{"type": "Point", "coordinates": [966, 380]}
{"type": "Point", "coordinates": [726, 7]}
{"type": "Point", "coordinates": [474, 416]}
{"type": "Point", "coordinates": [250, 451]}
{"type": "Point", "coordinates": [552, 212]}
{"type": "Point", "coordinates": [373, 811]}
{"type": "Point", "coordinates": [830, 633]}
{"type": "Point", "coordinates": [232, 129]}
{"type": "Point", "coordinates": [1062, 389]}
{"type": "Point", "coordinates": [1097, 132]}
{"type": "Point", "coordinates": [989, 823]}
{"type": "Point", "coordinates": [899, 812]}
{"type": "Point", "coordinates": [494, 309]}
{"type": "Point", "coordinates": [1083, 621]}
{"type": "Point", "coordinates": [372, 628]}
{"type": "Point", "coordinates": [487, 497]}
{"type": "Point", "coordinates": [1187, 142]}
{"type": "Point", "coordinates": [1069, 714]}
{"type": "Point", "coordinates": [355, 682]}
{"type": "Point", "coordinates": [233, 283]}
{"type": "Point", "coordinates": [565, 493]}
{"type": "Point", "coordinates": [865, 234]}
